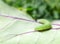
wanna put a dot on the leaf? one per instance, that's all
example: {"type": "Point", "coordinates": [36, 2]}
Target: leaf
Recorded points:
{"type": "Point", "coordinates": [23, 32]}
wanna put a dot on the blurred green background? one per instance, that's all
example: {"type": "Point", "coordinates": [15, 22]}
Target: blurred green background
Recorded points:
{"type": "Point", "coordinates": [37, 9]}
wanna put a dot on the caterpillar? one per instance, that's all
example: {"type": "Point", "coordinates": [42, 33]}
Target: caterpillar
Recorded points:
{"type": "Point", "coordinates": [46, 25]}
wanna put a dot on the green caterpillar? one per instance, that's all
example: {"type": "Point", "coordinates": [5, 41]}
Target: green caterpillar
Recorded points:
{"type": "Point", "coordinates": [46, 25]}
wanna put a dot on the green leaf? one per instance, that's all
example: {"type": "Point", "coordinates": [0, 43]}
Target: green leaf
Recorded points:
{"type": "Point", "coordinates": [23, 32]}
{"type": "Point", "coordinates": [40, 6]}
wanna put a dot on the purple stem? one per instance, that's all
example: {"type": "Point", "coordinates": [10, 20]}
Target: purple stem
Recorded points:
{"type": "Point", "coordinates": [19, 34]}
{"type": "Point", "coordinates": [56, 24]}
{"type": "Point", "coordinates": [31, 32]}
{"type": "Point", "coordinates": [18, 18]}
{"type": "Point", "coordinates": [24, 19]}
{"type": "Point", "coordinates": [25, 33]}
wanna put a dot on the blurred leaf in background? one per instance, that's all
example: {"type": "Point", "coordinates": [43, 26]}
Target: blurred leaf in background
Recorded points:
{"type": "Point", "coordinates": [48, 9]}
